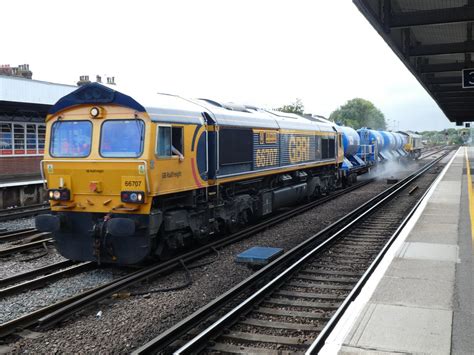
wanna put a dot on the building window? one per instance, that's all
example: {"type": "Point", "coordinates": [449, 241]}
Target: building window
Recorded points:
{"type": "Point", "coordinates": [31, 139]}
{"type": "Point", "coordinates": [18, 139]}
{"type": "Point", "coordinates": [41, 138]}
{"type": "Point", "coordinates": [6, 139]}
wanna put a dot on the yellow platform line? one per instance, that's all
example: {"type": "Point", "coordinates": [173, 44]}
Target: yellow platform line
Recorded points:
{"type": "Point", "coordinates": [471, 198]}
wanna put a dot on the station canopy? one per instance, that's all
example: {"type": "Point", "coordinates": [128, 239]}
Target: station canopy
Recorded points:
{"type": "Point", "coordinates": [28, 100]}
{"type": "Point", "coordinates": [434, 39]}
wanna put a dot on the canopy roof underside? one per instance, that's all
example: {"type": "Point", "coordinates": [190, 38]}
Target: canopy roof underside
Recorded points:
{"type": "Point", "coordinates": [434, 39]}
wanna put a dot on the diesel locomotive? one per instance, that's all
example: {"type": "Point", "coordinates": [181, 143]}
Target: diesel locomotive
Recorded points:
{"type": "Point", "coordinates": [131, 179]}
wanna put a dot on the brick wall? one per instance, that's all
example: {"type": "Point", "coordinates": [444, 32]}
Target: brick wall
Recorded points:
{"type": "Point", "coordinates": [20, 166]}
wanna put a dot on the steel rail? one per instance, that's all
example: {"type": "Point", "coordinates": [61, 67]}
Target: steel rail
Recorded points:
{"type": "Point", "coordinates": [432, 153]}
{"type": "Point", "coordinates": [25, 247]}
{"type": "Point", "coordinates": [172, 264]}
{"type": "Point", "coordinates": [50, 315]}
{"type": "Point", "coordinates": [32, 318]}
{"type": "Point", "coordinates": [299, 253]}
{"type": "Point", "coordinates": [47, 279]}
{"type": "Point", "coordinates": [23, 212]}
{"type": "Point", "coordinates": [317, 345]}
{"type": "Point", "coordinates": [22, 208]}
{"type": "Point", "coordinates": [34, 273]}
{"type": "Point", "coordinates": [8, 236]}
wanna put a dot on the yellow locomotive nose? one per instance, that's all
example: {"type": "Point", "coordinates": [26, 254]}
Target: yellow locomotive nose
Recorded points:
{"type": "Point", "coordinates": [111, 187]}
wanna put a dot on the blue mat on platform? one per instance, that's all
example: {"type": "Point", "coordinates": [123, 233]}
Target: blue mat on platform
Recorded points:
{"type": "Point", "coordinates": [258, 255]}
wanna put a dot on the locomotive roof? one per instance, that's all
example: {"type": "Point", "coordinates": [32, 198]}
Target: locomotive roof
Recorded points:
{"type": "Point", "coordinates": [226, 114]}
{"type": "Point", "coordinates": [410, 133]}
{"type": "Point", "coordinates": [175, 109]}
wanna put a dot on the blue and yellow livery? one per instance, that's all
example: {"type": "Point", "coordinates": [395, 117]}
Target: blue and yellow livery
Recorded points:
{"type": "Point", "coordinates": [131, 178]}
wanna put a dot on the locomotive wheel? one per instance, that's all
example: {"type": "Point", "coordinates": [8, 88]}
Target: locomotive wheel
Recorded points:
{"type": "Point", "coordinates": [163, 251]}
{"type": "Point", "coordinates": [241, 221]}
{"type": "Point", "coordinates": [233, 225]}
{"type": "Point", "coordinates": [167, 247]}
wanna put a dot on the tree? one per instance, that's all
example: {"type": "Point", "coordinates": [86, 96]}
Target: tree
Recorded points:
{"type": "Point", "coordinates": [450, 136]}
{"type": "Point", "coordinates": [295, 107]}
{"type": "Point", "coordinates": [358, 113]}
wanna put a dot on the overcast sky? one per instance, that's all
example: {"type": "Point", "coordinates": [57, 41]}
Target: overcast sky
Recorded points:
{"type": "Point", "coordinates": [258, 52]}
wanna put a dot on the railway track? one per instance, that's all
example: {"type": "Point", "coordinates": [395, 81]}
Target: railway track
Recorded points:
{"type": "Point", "coordinates": [23, 240]}
{"type": "Point", "coordinates": [430, 152]}
{"type": "Point", "coordinates": [11, 236]}
{"type": "Point", "coordinates": [42, 243]}
{"type": "Point", "coordinates": [49, 316]}
{"type": "Point", "coordinates": [28, 234]}
{"type": "Point", "coordinates": [42, 277]}
{"type": "Point", "coordinates": [292, 304]}
{"type": "Point", "coordinates": [23, 211]}
{"type": "Point", "coordinates": [29, 275]}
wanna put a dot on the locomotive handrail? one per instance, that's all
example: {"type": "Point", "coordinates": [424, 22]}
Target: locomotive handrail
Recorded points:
{"type": "Point", "coordinates": [144, 162]}
{"type": "Point", "coordinates": [122, 208]}
{"type": "Point", "coordinates": [66, 206]}
{"type": "Point", "coordinates": [42, 174]}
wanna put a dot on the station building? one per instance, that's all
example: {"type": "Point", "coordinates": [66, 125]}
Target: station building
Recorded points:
{"type": "Point", "coordinates": [24, 104]}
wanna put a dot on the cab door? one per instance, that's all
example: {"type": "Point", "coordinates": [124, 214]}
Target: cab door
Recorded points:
{"type": "Point", "coordinates": [340, 149]}
{"type": "Point", "coordinates": [177, 168]}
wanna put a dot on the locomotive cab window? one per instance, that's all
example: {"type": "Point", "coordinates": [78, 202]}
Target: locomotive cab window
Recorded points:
{"type": "Point", "coordinates": [170, 142]}
{"type": "Point", "coordinates": [177, 141]}
{"type": "Point", "coordinates": [122, 138]}
{"type": "Point", "coordinates": [71, 139]}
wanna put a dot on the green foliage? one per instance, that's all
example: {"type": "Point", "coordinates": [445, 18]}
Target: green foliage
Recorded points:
{"type": "Point", "coordinates": [446, 136]}
{"type": "Point", "coordinates": [295, 107]}
{"type": "Point", "coordinates": [358, 113]}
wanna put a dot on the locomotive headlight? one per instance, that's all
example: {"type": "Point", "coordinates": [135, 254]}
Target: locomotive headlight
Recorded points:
{"type": "Point", "coordinates": [59, 194]}
{"type": "Point", "coordinates": [95, 111]}
{"type": "Point", "coordinates": [133, 196]}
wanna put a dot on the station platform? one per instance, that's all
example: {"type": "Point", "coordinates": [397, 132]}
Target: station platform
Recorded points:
{"type": "Point", "coordinates": [6, 182]}
{"type": "Point", "coordinates": [420, 299]}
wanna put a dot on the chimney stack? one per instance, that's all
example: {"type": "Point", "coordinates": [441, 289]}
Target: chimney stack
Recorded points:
{"type": "Point", "coordinates": [22, 71]}
{"type": "Point", "coordinates": [83, 80]}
